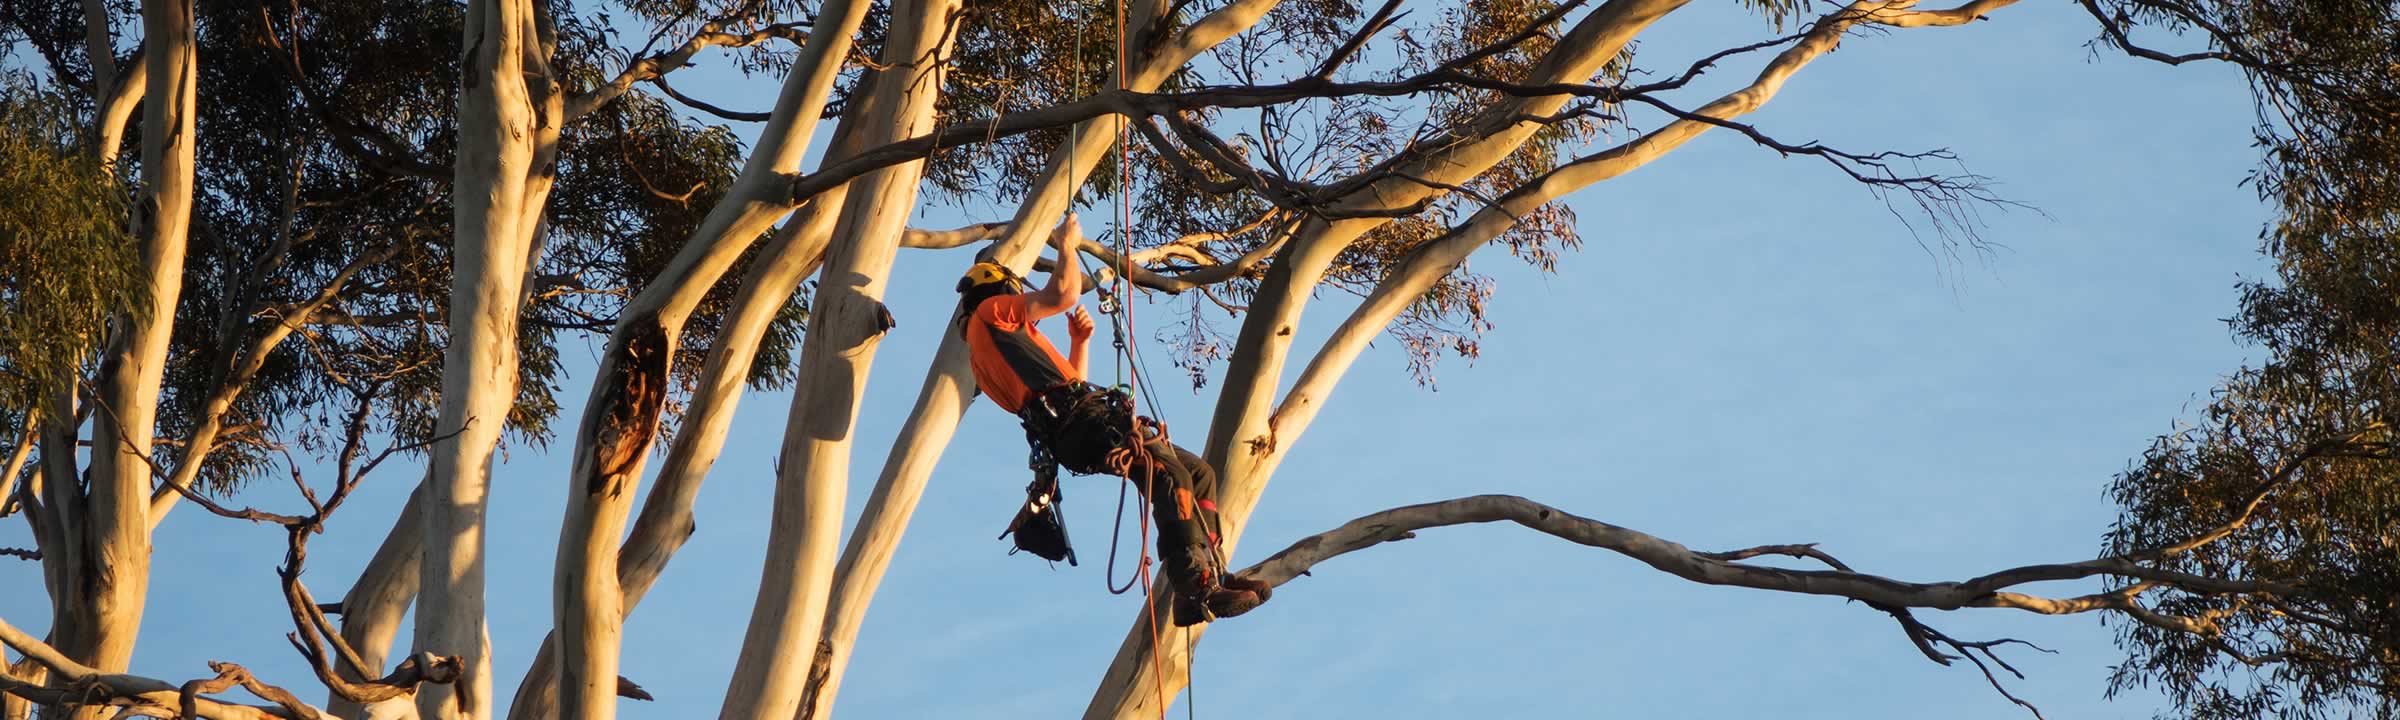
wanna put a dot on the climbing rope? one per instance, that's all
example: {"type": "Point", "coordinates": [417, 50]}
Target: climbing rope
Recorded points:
{"type": "Point", "coordinates": [1123, 461]}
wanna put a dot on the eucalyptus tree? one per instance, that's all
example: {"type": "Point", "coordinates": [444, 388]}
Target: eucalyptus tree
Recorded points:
{"type": "Point", "coordinates": [430, 195]}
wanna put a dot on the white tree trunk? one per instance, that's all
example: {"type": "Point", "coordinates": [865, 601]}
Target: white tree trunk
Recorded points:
{"type": "Point", "coordinates": [845, 326]}
{"type": "Point", "coordinates": [497, 138]}
{"type": "Point", "coordinates": [101, 612]}
{"type": "Point", "coordinates": [621, 420]}
{"type": "Point", "coordinates": [943, 398]}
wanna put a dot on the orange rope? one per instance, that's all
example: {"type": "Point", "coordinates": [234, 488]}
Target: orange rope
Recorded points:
{"type": "Point", "coordinates": [1141, 446]}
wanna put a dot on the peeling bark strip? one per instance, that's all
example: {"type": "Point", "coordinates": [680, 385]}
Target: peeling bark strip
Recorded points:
{"type": "Point", "coordinates": [639, 376]}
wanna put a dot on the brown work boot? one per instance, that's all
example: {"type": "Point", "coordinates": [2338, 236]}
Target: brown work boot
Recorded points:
{"type": "Point", "coordinates": [1199, 596]}
{"type": "Point", "coordinates": [1217, 603]}
{"type": "Point", "coordinates": [1255, 586]}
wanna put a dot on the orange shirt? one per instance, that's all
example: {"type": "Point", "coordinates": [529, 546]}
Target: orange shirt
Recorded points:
{"type": "Point", "coordinates": [1012, 360]}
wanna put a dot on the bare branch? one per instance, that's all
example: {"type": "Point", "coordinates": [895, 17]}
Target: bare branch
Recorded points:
{"type": "Point", "coordinates": [704, 106]}
{"type": "Point", "coordinates": [251, 514]}
{"type": "Point", "coordinates": [1383, 18]}
{"type": "Point", "coordinates": [1183, 247]}
{"type": "Point", "coordinates": [1712, 568]}
{"type": "Point", "coordinates": [2115, 28]}
{"type": "Point", "coordinates": [79, 684]}
{"type": "Point", "coordinates": [1210, 274]}
{"type": "Point", "coordinates": [203, 438]}
{"type": "Point", "coordinates": [1725, 568]}
{"type": "Point", "coordinates": [657, 66]}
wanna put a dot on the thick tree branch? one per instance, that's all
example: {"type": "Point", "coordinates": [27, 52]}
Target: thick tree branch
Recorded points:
{"type": "Point", "coordinates": [1714, 569]}
{"type": "Point", "coordinates": [1209, 274]}
{"type": "Point", "coordinates": [1429, 263]}
{"type": "Point", "coordinates": [1886, 594]}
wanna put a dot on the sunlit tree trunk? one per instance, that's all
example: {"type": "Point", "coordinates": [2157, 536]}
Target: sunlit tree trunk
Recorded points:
{"type": "Point", "coordinates": [97, 606]}
{"type": "Point", "coordinates": [499, 128]}
{"type": "Point", "coordinates": [845, 326]}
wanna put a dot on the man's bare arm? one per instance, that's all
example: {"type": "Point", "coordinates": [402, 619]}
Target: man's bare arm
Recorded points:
{"type": "Point", "coordinates": [1066, 277]}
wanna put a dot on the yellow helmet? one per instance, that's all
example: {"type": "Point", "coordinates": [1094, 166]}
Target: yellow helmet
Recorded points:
{"type": "Point", "coordinates": [985, 273]}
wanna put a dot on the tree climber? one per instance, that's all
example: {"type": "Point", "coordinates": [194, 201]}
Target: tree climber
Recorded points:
{"type": "Point", "coordinates": [1089, 429]}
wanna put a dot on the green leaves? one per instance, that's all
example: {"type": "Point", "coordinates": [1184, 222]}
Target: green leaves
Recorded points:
{"type": "Point", "coordinates": [66, 261]}
{"type": "Point", "coordinates": [2319, 414]}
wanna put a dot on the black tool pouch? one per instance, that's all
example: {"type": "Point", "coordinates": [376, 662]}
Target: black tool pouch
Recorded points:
{"type": "Point", "coordinates": [1039, 527]}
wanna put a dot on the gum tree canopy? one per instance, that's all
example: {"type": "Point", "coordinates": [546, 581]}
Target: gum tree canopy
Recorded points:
{"type": "Point", "coordinates": [362, 232]}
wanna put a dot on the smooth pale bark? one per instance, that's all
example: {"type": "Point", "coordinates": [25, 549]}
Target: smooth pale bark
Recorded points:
{"type": "Point", "coordinates": [497, 137]}
{"type": "Point", "coordinates": [621, 419]}
{"type": "Point", "coordinates": [1240, 436]}
{"type": "Point", "coordinates": [117, 96]}
{"type": "Point", "coordinates": [378, 601]}
{"type": "Point", "coordinates": [942, 399]}
{"type": "Point", "coordinates": [666, 521]}
{"type": "Point", "coordinates": [846, 325]}
{"type": "Point", "coordinates": [101, 612]}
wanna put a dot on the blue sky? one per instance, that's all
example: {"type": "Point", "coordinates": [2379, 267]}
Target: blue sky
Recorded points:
{"type": "Point", "coordinates": [1748, 350]}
